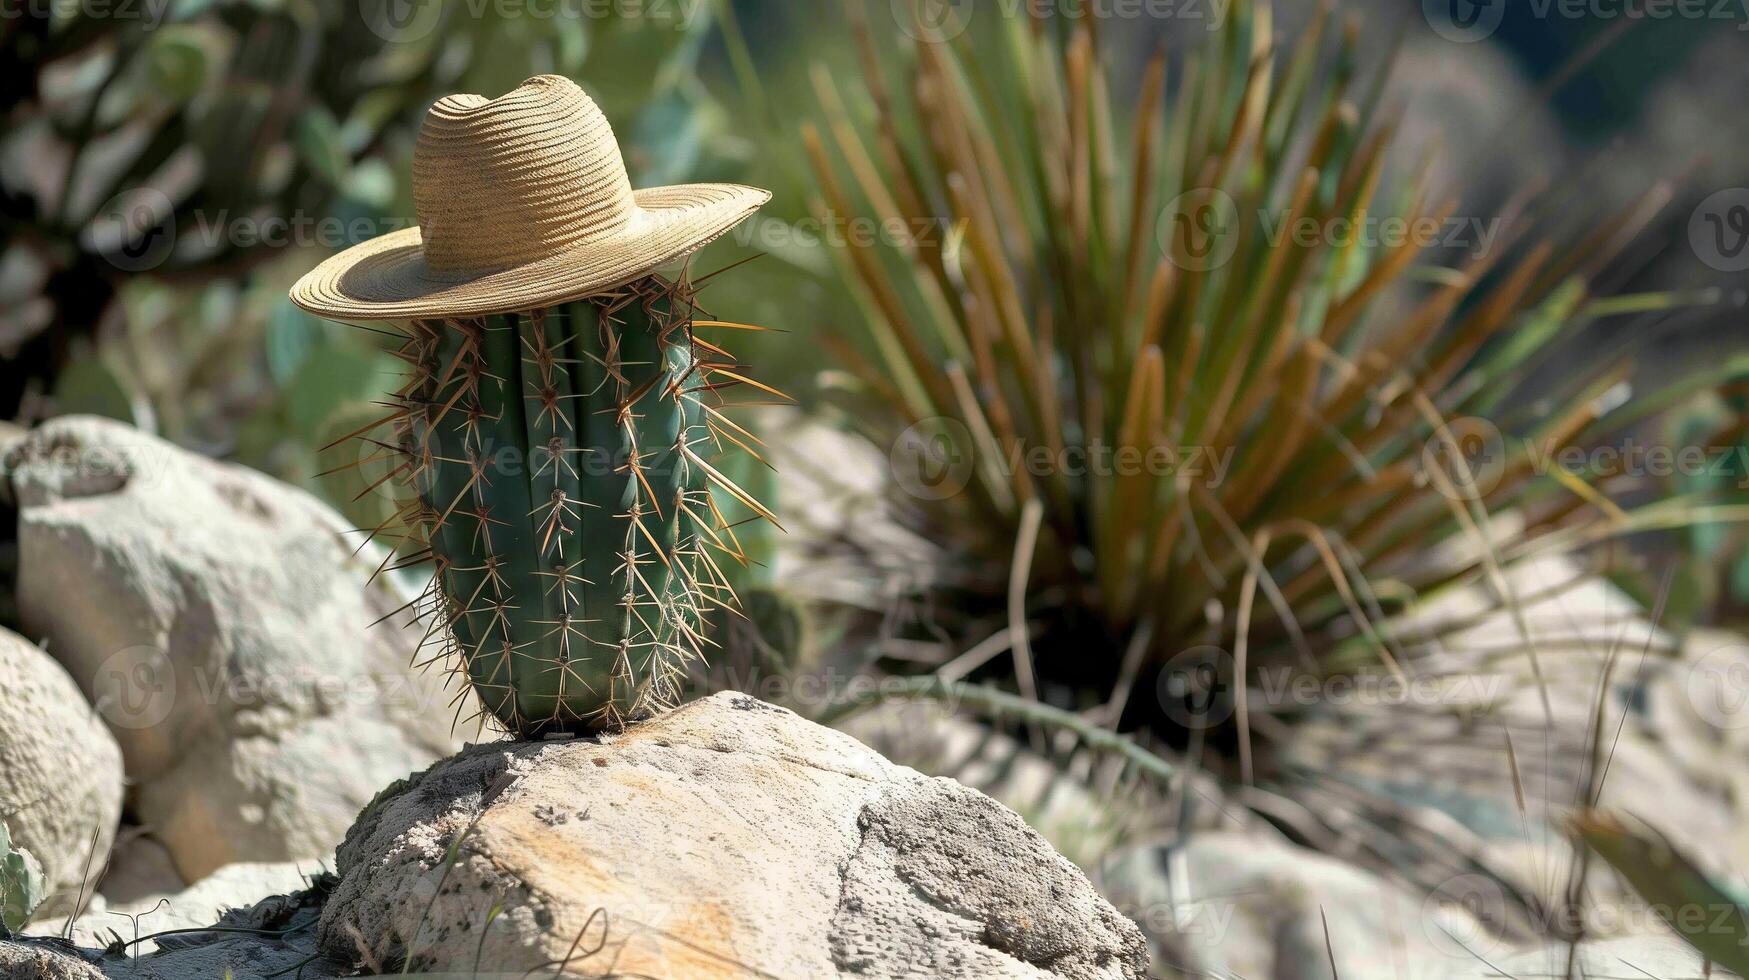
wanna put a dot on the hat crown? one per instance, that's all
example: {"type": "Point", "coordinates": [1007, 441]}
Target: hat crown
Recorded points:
{"type": "Point", "coordinates": [501, 182]}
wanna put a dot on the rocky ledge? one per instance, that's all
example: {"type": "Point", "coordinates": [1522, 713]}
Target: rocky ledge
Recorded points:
{"type": "Point", "coordinates": [729, 838]}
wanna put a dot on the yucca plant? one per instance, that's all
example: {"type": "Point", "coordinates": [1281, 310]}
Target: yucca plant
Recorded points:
{"type": "Point", "coordinates": [563, 486]}
{"type": "Point", "coordinates": [1132, 284]}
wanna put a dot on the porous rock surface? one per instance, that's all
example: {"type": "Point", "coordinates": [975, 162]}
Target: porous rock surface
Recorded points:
{"type": "Point", "coordinates": [729, 838]}
{"type": "Point", "coordinates": [43, 961]}
{"type": "Point", "coordinates": [221, 624]}
{"type": "Point", "coordinates": [60, 771]}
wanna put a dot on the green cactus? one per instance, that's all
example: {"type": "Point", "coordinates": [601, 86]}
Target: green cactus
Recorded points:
{"type": "Point", "coordinates": [565, 492]}
{"type": "Point", "coordinates": [22, 888]}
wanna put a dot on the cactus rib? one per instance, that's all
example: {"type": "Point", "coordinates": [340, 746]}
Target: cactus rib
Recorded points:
{"type": "Point", "coordinates": [559, 457]}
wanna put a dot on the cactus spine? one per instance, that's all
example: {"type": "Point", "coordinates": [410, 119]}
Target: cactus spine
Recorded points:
{"type": "Point", "coordinates": [565, 494]}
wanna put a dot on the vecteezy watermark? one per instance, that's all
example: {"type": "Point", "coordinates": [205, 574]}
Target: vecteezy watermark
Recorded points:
{"type": "Point", "coordinates": [834, 687]}
{"type": "Point", "coordinates": [1464, 21]}
{"type": "Point", "coordinates": [1199, 230]}
{"type": "Point", "coordinates": [1196, 688]}
{"type": "Point", "coordinates": [1718, 687]}
{"type": "Point", "coordinates": [1469, 21]}
{"type": "Point", "coordinates": [936, 21]}
{"type": "Point", "coordinates": [401, 21]}
{"type": "Point", "coordinates": [139, 230]}
{"type": "Point", "coordinates": [89, 469]}
{"type": "Point", "coordinates": [933, 21]}
{"type": "Point", "coordinates": [149, 13]}
{"type": "Point", "coordinates": [1471, 234]}
{"type": "Point", "coordinates": [937, 458]}
{"type": "Point", "coordinates": [1199, 689]}
{"type": "Point", "coordinates": [140, 687]}
{"type": "Point", "coordinates": [933, 459]}
{"type": "Point", "coordinates": [1199, 922]}
{"type": "Point", "coordinates": [1718, 230]}
{"type": "Point", "coordinates": [135, 688]}
{"type": "Point", "coordinates": [1466, 459]}
{"type": "Point", "coordinates": [1639, 918]}
{"type": "Point", "coordinates": [405, 21]}
{"type": "Point", "coordinates": [1459, 912]}
{"type": "Point", "coordinates": [842, 231]}
{"type": "Point", "coordinates": [135, 230]}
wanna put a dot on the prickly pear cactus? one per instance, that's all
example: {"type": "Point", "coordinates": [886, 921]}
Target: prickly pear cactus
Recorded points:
{"type": "Point", "coordinates": [562, 464]}
{"type": "Point", "coordinates": [22, 888]}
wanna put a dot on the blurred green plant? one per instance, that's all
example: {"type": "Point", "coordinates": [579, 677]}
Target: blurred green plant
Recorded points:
{"type": "Point", "coordinates": [22, 888]}
{"type": "Point", "coordinates": [771, 634]}
{"type": "Point", "coordinates": [137, 150]}
{"type": "Point", "coordinates": [1719, 422]}
{"type": "Point", "coordinates": [1093, 284]}
{"type": "Point", "coordinates": [1711, 915]}
{"type": "Point", "coordinates": [137, 146]}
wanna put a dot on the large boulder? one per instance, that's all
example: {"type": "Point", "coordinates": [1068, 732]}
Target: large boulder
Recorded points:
{"type": "Point", "coordinates": [60, 772]}
{"type": "Point", "coordinates": [728, 838]}
{"type": "Point", "coordinates": [221, 624]}
{"type": "Point", "coordinates": [38, 960]}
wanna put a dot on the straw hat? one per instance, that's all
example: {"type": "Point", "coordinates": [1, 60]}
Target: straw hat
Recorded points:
{"type": "Point", "coordinates": [523, 202]}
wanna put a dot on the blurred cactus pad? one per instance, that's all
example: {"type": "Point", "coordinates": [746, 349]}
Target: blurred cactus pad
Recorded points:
{"type": "Point", "coordinates": [22, 888]}
{"type": "Point", "coordinates": [567, 494]}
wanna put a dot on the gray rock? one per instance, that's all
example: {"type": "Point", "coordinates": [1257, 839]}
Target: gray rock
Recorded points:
{"type": "Point", "coordinates": [1426, 782]}
{"type": "Point", "coordinates": [261, 939]}
{"type": "Point", "coordinates": [43, 960]}
{"type": "Point", "coordinates": [723, 839]}
{"type": "Point", "coordinates": [221, 624]}
{"type": "Point", "coordinates": [1664, 957]}
{"type": "Point", "coordinates": [1252, 905]}
{"type": "Point", "coordinates": [140, 869]}
{"type": "Point", "coordinates": [60, 772]}
{"type": "Point", "coordinates": [236, 886]}
{"type": "Point", "coordinates": [274, 937]}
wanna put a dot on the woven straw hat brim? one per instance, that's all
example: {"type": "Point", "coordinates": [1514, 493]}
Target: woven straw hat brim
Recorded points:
{"type": "Point", "coordinates": [386, 278]}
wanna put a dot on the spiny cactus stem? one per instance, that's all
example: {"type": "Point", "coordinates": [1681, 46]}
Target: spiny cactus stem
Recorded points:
{"type": "Point", "coordinates": [555, 628]}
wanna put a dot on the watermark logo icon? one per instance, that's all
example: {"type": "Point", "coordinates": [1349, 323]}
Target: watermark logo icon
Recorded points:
{"type": "Point", "coordinates": [1196, 688]}
{"type": "Point", "coordinates": [934, 459]}
{"type": "Point", "coordinates": [135, 230]}
{"type": "Point", "coordinates": [1465, 459]}
{"type": "Point", "coordinates": [933, 21]}
{"type": "Point", "coordinates": [1198, 229]}
{"type": "Point", "coordinates": [135, 688]}
{"type": "Point", "coordinates": [1457, 914]}
{"type": "Point", "coordinates": [1718, 687]}
{"type": "Point", "coordinates": [401, 21]}
{"type": "Point", "coordinates": [1719, 230]}
{"type": "Point", "coordinates": [1464, 21]}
